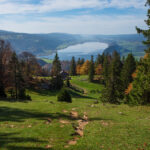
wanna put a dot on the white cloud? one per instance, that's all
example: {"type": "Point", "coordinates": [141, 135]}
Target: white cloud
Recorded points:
{"type": "Point", "coordinates": [77, 25]}
{"type": "Point", "coordinates": [16, 7]}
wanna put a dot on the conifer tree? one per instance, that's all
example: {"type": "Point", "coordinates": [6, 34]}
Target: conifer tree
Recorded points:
{"type": "Point", "coordinates": [14, 67]}
{"type": "Point", "coordinates": [140, 93]}
{"type": "Point", "coordinates": [56, 81]}
{"type": "Point", "coordinates": [56, 66]}
{"type": "Point", "coordinates": [113, 90]}
{"type": "Point", "coordinates": [2, 87]}
{"type": "Point", "coordinates": [128, 68]}
{"type": "Point", "coordinates": [99, 59]}
{"type": "Point", "coordinates": [73, 67]}
{"type": "Point", "coordinates": [79, 61]}
{"type": "Point", "coordinates": [105, 71]}
{"type": "Point", "coordinates": [91, 70]}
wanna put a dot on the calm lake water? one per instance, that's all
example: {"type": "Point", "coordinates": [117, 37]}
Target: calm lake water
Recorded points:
{"type": "Point", "coordinates": [84, 50]}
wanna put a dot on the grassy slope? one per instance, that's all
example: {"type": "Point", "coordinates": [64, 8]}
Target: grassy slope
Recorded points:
{"type": "Point", "coordinates": [49, 61]}
{"type": "Point", "coordinates": [22, 125]}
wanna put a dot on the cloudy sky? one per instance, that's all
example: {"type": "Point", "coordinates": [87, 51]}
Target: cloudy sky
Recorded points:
{"type": "Point", "coordinates": [72, 16]}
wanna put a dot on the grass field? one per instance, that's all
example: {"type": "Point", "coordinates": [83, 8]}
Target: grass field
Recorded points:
{"type": "Point", "coordinates": [49, 61]}
{"type": "Point", "coordinates": [45, 123]}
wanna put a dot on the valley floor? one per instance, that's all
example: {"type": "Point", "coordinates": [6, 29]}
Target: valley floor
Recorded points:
{"type": "Point", "coordinates": [45, 123]}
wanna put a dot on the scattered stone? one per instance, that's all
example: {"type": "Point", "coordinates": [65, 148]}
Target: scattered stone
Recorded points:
{"type": "Point", "coordinates": [74, 114]}
{"type": "Point", "coordinates": [73, 109]}
{"type": "Point", "coordinates": [66, 146]}
{"type": "Point", "coordinates": [12, 126]}
{"type": "Point", "coordinates": [76, 138]}
{"type": "Point", "coordinates": [120, 113]}
{"type": "Point", "coordinates": [29, 126]}
{"type": "Point", "coordinates": [79, 132]}
{"type": "Point", "coordinates": [92, 105]}
{"type": "Point", "coordinates": [73, 142]}
{"type": "Point", "coordinates": [65, 111]}
{"type": "Point", "coordinates": [64, 121]}
{"type": "Point", "coordinates": [104, 123]}
{"type": "Point", "coordinates": [62, 126]}
{"type": "Point", "coordinates": [85, 118]}
{"type": "Point", "coordinates": [49, 146]}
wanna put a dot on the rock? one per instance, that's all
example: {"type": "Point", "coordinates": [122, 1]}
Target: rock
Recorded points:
{"type": "Point", "coordinates": [66, 146]}
{"type": "Point", "coordinates": [74, 114]}
{"type": "Point", "coordinates": [85, 118]}
{"type": "Point", "coordinates": [73, 142]}
{"type": "Point", "coordinates": [79, 132]}
{"type": "Point", "coordinates": [62, 126]}
{"type": "Point", "coordinates": [64, 121]}
{"type": "Point", "coordinates": [12, 126]}
{"type": "Point", "coordinates": [49, 120]}
{"type": "Point", "coordinates": [29, 126]}
{"type": "Point", "coordinates": [65, 111]}
{"type": "Point", "coordinates": [49, 146]}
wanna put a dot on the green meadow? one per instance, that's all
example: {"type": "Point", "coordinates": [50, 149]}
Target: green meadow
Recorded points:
{"type": "Point", "coordinates": [44, 123]}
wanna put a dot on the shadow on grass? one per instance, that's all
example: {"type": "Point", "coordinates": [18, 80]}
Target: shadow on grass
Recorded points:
{"type": "Point", "coordinates": [8, 139]}
{"type": "Point", "coordinates": [18, 115]}
{"type": "Point", "coordinates": [77, 95]}
{"type": "Point", "coordinates": [45, 92]}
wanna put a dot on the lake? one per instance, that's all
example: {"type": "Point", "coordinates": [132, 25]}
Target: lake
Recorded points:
{"type": "Point", "coordinates": [84, 50]}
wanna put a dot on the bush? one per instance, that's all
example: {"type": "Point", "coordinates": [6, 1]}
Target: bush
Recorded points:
{"type": "Point", "coordinates": [64, 96]}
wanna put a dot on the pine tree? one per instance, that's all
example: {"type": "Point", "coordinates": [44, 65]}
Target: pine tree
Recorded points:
{"type": "Point", "coordinates": [56, 66]}
{"type": "Point", "coordinates": [21, 84]}
{"type": "Point", "coordinates": [113, 90]}
{"type": "Point", "coordinates": [99, 59]}
{"type": "Point", "coordinates": [14, 67]}
{"type": "Point", "coordinates": [140, 93]}
{"type": "Point", "coordinates": [128, 68]}
{"type": "Point", "coordinates": [105, 71]}
{"type": "Point", "coordinates": [56, 81]}
{"type": "Point", "coordinates": [79, 61]}
{"type": "Point", "coordinates": [91, 70]}
{"type": "Point", "coordinates": [73, 67]}
{"type": "Point", "coordinates": [2, 87]}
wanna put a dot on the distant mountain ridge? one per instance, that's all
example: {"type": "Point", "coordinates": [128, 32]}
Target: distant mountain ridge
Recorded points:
{"type": "Point", "coordinates": [45, 44]}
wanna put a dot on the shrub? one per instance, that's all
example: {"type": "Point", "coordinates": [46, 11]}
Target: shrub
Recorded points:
{"type": "Point", "coordinates": [64, 96]}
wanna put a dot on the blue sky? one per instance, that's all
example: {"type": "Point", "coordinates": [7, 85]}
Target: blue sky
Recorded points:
{"type": "Point", "coordinates": [72, 16]}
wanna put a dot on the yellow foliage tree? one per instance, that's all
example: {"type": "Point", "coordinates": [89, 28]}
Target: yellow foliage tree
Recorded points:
{"type": "Point", "coordinates": [98, 69]}
{"type": "Point", "coordinates": [85, 68]}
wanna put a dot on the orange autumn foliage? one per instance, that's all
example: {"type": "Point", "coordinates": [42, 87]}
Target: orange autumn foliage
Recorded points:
{"type": "Point", "coordinates": [129, 89]}
{"type": "Point", "coordinates": [134, 74]}
{"type": "Point", "coordinates": [85, 68]}
{"type": "Point", "coordinates": [98, 69]}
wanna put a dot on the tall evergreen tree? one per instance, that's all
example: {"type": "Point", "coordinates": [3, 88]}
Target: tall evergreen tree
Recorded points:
{"type": "Point", "coordinates": [79, 61]}
{"type": "Point", "coordinates": [113, 90]}
{"type": "Point", "coordinates": [140, 93]}
{"type": "Point", "coordinates": [2, 88]}
{"type": "Point", "coordinates": [128, 68]}
{"type": "Point", "coordinates": [91, 70]}
{"type": "Point", "coordinates": [56, 66]}
{"type": "Point", "coordinates": [82, 61]}
{"type": "Point", "coordinates": [105, 71]}
{"type": "Point", "coordinates": [99, 59]}
{"type": "Point", "coordinates": [73, 67]}
{"type": "Point", "coordinates": [56, 81]}
{"type": "Point", "coordinates": [14, 67]}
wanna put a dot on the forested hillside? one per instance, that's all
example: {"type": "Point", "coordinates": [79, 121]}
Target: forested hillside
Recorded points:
{"type": "Point", "coordinates": [44, 44]}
